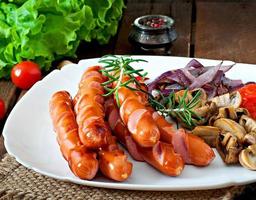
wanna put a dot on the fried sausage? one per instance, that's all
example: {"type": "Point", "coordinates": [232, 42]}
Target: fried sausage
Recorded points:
{"type": "Point", "coordinates": [120, 130]}
{"type": "Point", "coordinates": [83, 163]}
{"type": "Point", "coordinates": [94, 131]}
{"type": "Point", "coordinates": [137, 118]}
{"type": "Point", "coordinates": [161, 155]}
{"type": "Point", "coordinates": [163, 158]}
{"type": "Point", "coordinates": [192, 148]}
{"type": "Point", "coordinates": [89, 109]}
{"type": "Point", "coordinates": [114, 164]}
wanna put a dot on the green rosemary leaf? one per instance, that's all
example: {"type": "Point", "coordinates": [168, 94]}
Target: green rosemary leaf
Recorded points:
{"type": "Point", "coordinates": [131, 88]}
{"type": "Point", "coordinates": [137, 72]}
{"type": "Point", "coordinates": [110, 70]}
{"type": "Point", "coordinates": [108, 82]}
{"type": "Point", "coordinates": [191, 106]}
{"type": "Point", "coordinates": [109, 63]}
{"type": "Point", "coordinates": [195, 98]}
{"type": "Point", "coordinates": [139, 60]}
{"type": "Point", "coordinates": [115, 69]}
{"type": "Point", "coordinates": [111, 77]}
{"type": "Point", "coordinates": [107, 88]}
{"type": "Point", "coordinates": [133, 71]}
{"type": "Point", "coordinates": [109, 93]}
{"type": "Point", "coordinates": [181, 117]}
{"type": "Point", "coordinates": [182, 109]}
{"type": "Point", "coordinates": [117, 99]}
{"type": "Point", "coordinates": [196, 115]}
{"type": "Point", "coordinates": [145, 74]}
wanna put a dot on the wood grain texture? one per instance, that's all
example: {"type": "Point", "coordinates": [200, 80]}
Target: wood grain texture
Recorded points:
{"type": "Point", "coordinates": [179, 10]}
{"type": "Point", "coordinates": [226, 30]}
{"type": "Point", "coordinates": [2, 148]}
{"type": "Point", "coordinates": [23, 92]}
{"type": "Point", "coordinates": [9, 93]}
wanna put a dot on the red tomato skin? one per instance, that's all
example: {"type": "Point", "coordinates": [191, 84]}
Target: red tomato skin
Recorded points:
{"type": "Point", "coordinates": [248, 93]}
{"type": "Point", "coordinates": [25, 74]}
{"type": "Point", "coordinates": [2, 109]}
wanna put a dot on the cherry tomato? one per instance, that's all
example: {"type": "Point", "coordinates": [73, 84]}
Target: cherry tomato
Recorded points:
{"type": "Point", "coordinates": [25, 74]}
{"type": "Point", "coordinates": [2, 109]}
{"type": "Point", "coordinates": [248, 93]}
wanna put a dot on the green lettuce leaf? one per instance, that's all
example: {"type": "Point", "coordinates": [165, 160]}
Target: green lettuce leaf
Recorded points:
{"type": "Point", "coordinates": [45, 30]}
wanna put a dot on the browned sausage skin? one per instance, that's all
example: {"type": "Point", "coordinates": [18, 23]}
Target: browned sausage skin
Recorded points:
{"type": "Point", "coordinates": [192, 148]}
{"type": "Point", "coordinates": [89, 109]}
{"type": "Point", "coordinates": [161, 155]}
{"type": "Point", "coordinates": [137, 118]}
{"type": "Point", "coordinates": [94, 132]}
{"type": "Point", "coordinates": [120, 130]}
{"type": "Point", "coordinates": [163, 158]}
{"type": "Point", "coordinates": [113, 162]}
{"type": "Point", "coordinates": [82, 162]}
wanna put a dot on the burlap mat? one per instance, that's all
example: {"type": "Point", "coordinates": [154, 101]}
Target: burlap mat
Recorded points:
{"type": "Point", "coordinates": [18, 182]}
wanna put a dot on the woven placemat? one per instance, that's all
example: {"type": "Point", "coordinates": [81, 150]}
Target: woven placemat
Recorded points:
{"type": "Point", "coordinates": [18, 182]}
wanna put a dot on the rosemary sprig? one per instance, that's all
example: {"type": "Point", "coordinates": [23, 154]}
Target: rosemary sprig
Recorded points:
{"type": "Point", "coordinates": [182, 109]}
{"type": "Point", "coordinates": [116, 68]}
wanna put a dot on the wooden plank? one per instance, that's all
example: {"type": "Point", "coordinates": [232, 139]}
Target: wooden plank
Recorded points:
{"type": "Point", "coordinates": [8, 92]}
{"type": "Point", "coordinates": [23, 92]}
{"type": "Point", "coordinates": [182, 14]}
{"type": "Point", "coordinates": [179, 10]}
{"type": "Point", "coordinates": [2, 148]}
{"type": "Point", "coordinates": [226, 30]}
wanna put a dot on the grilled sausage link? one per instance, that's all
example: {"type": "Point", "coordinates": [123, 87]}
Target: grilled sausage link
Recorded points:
{"type": "Point", "coordinates": [83, 163]}
{"type": "Point", "coordinates": [120, 130]}
{"type": "Point", "coordinates": [113, 162]}
{"type": "Point", "coordinates": [137, 117]}
{"type": "Point", "coordinates": [161, 155]}
{"type": "Point", "coordinates": [163, 158]}
{"type": "Point", "coordinates": [89, 109]}
{"type": "Point", "coordinates": [192, 148]}
{"type": "Point", "coordinates": [94, 131]}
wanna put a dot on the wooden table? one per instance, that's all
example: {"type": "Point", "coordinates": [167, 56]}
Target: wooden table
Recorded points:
{"type": "Point", "coordinates": [214, 29]}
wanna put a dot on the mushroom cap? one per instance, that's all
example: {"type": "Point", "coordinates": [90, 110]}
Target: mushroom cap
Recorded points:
{"type": "Point", "coordinates": [208, 133]}
{"type": "Point", "coordinates": [228, 147]}
{"type": "Point", "coordinates": [249, 138]}
{"type": "Point", "coordinates": [247, 157]}
{"type": "Point", "coordinates": [203, 96]}
{"type": "Point", "coordinates": [227, 112]}
{"type": "Point", "coordinates": [234, 99]}
{"type": "Point", "coordinates": [248, 123]}
{"type": "Point", "coordinates": [228, 125]}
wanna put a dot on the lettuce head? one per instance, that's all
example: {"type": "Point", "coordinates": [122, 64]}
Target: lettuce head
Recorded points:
{"type": "Point", "coordinates": [46, 30]}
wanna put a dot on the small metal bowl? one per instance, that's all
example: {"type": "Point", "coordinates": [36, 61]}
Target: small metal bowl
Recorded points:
{"type": "Point", "coordinates": [151, 32]}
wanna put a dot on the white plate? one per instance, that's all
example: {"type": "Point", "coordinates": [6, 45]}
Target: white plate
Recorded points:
{"type": "Point", "coordinates": [29, 135]}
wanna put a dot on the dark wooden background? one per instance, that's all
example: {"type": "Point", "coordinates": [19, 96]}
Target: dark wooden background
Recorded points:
{"type": "Point", "coordinates": [216, 29]}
